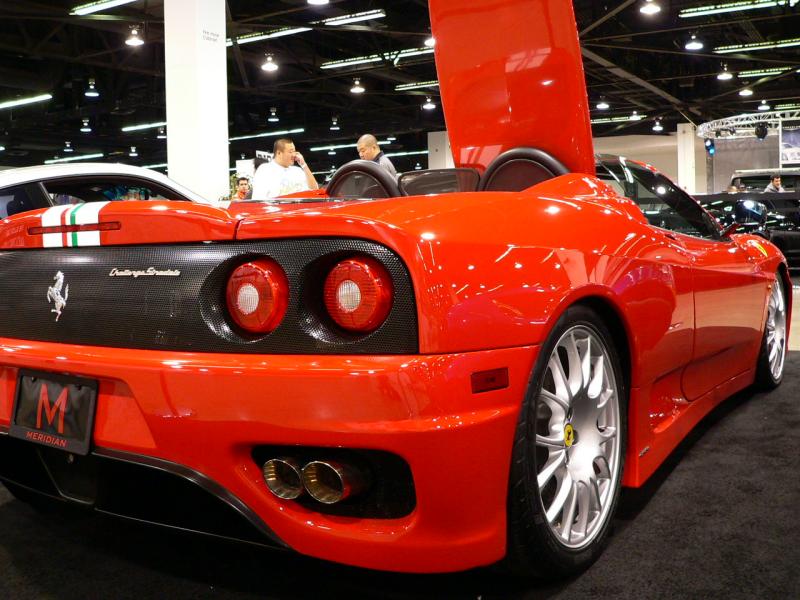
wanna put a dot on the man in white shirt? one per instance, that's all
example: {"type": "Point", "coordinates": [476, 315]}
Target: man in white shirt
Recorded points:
{"type": "Point", "coordinates": [281, 176]}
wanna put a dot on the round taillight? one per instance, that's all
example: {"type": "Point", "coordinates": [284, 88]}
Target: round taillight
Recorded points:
{"type": "Point", "coordinates": [358, 294]}
{"type": "Point", "coordinates": [257, 295]}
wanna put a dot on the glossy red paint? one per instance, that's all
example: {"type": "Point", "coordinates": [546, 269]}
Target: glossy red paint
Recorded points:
{"type": "Point", "coordinates": [511, 75]}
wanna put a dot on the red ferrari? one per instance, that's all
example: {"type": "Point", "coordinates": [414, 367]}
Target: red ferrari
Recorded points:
{"type": "Point", "coordinates": [452, 369]}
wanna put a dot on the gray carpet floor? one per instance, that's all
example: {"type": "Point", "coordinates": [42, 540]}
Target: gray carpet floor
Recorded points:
{"type": "Point", "coordinates": [721, 519]}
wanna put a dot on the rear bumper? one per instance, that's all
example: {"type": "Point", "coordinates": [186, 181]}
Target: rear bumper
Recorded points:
{"type": "Point", "coordinates": [207, 412]}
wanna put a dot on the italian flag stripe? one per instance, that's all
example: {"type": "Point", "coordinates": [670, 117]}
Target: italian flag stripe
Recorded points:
{"type": "Point", "coordinates": [79, 214]}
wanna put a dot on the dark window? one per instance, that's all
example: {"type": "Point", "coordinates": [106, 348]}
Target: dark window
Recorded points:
{"type": "Point", "coordinates": [662, 202]}
{"type": "Point", "coordinates": [18, 199]}
{"type": "Point", "coordinates": [106, 189]}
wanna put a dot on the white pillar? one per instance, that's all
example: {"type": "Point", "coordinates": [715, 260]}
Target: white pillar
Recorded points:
{"type": "Point", "coordinates": [197, 95]}
{"type": "Point", "coordinates": [686, 158]}
{"type": "Point", "coordinates": [440, 156]}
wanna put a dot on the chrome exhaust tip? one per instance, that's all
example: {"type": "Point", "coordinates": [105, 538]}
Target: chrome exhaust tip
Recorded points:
{"type": "Point", "coordinates": [330, 481]}
{"type": "Point", "coordinates": [284, 477]}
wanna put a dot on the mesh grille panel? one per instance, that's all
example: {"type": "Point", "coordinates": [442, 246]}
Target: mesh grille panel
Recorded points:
{"type": "Point", "coordinates": [188, 312]}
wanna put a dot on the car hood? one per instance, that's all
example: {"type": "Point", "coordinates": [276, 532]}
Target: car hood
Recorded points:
{"type": "Point", "coordinates": [511, 75]}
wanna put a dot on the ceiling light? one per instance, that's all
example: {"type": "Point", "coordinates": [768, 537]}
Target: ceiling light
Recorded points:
{"type": "Point", "coordinates": [635, 116]}
{"type": "Point", "coordinates": [86, 128]}
{"type": "Point", "coordinates": [429, 105]}
{"type": "Point", "coordinates": [409, 153]}
{"type": "Point", "coordinates": [273, 115]}
{"type": "Point", "coordinates": [162, 134]}
{"type": "Point", "coordinates": [393, 57]}
{"type": "Point", "coordinates": [694, 43]}
{"type": "Point", "coordinates": [649, 8]}
{"type": "Point", "coordinates": [68, 147]}
{"type": "Point", "coordinates": [128, 128]}
{"type": "Point", "coordinates": [725, 75]}
{"type": "Point", "coordinates": [658, 127]}
{"type": "Point", "coordinates": [273, 33]}
{"type": "Point", "coordinates": [745, 92]}
{"type": "Point", "coordinates": [603, 105]}
{"type": "Point", "coordinates": [764, 105]}
{"type": "Point", "coordinates": [417, 167]}
{"type": "Point", "coordinates": [268, 134]}
{"type": "Point", "coordinates": [93, 7]}
{"type": "Point", "coordinates": [2, 148]}
{"type": "Point", "coordinates": [755, 73]}
{"type": "Point", "coordinates": [390, 138]}
{"type": "Point", "coordinates": [334, 124]}
{"type": "Point", "coordinates": [613, 120]}
{"type": "Point", "coordinates": [725, 7]}
{"type": "Point", "coordinates": [317, 2]}
{"type": "Point", "coordinates": [269, 64]}
{"type": "Point", "coordinates": [758, 46]}
{"type": "Point", "coordinates": [91, 91]}
{"type": "Point", "coordinates": [133, 153]}
{"type": "Point", "coordinates": [430, 42]}
{"type": "Point", "coordinates": [357, 87]}
{"type": "Point", "coordinates": [367, 15]}
{"type": "Point", "coordinates": [402, 87]}
{"type": "Point", "coordinates": [74, 158]}
{"type": "Point", "coordinates": [156, 166]}
{"type": "Point", "coordinates": [24, 101]}
{"type": "Point", "coordinates": [331, 152]}
{"type": "Point", "coordinates": [134, 39]}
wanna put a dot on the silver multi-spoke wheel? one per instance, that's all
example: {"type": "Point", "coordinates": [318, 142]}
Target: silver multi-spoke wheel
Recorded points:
{"type": "Point", "coordinates": [776, 330]}
{"type": "Point", "coordinates": [578, 448]}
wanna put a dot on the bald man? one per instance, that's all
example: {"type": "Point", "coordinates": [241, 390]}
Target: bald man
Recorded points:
{"type": "Point", "coordinates": [368, 149]}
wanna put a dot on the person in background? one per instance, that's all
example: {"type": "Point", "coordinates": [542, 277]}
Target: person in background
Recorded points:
{"type": "Point", "coordinates": [242, 189]}
{"type": "Point", "coordinates": [282, 176]}
{"type": "Point", "coordinates": [774, 184]}
{"type": "Point", "coordinates": [368, 149]}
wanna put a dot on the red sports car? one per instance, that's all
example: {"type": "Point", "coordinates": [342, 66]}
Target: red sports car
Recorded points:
{"type": "Point", "coordinates": [434, 373]}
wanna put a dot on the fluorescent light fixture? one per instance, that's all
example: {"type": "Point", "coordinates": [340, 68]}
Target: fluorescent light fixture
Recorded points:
{"type": "Point", "coordinates": [273, 115]}
{"type": "Point", "coordinates": [616, 119]}
{"type": "Point", "coordinates": [273, 33]}
{"type": "Point", "coordinates": [725, 75]}
{"type": "Point", "coordinates": [133, 153]}
{"type": "Point", "coordinates": [726, 7]}
{"type": "Point", "coordinates": [418, 167]}
{"type": "Point", "coordinates": [658, 127]}
{"type": "Point", "coordinates": [390, 138]}
{"type": "Point", "coordinates": [93, 7]}
{"type": "Point", "coordinates": [91, 91]}
{"type": "Point", "coordinates": [68, 147]}
{"type": "Point", "coordinates": [331, 152]}
{"type": "Point", "coordinates": [162, 134]}
{"type": "Point", "coordinates": [74, 158]}
{"type": "Point", "coordinates": [789, 43]}
{"type": "Point", "coordinates": [85, 127]}
{"type": "Point", "coordinates": [334, 124]}
{"type": "Point", "coordinates": [790, 106]}
{"type": "Point", "coordinates": [134, 39]}
{"type": "Point", "coordinates": [764, 105]}
{"type": "Point", "coordinates": [158, 166]}
{"type": "Point", "coordinates": [603, 105]}
{"type": "Point", "coordinates": [745, 92]}
{"type": "Point", "coordinates": [635, 116]}
{"type": "Point", "coordinates": [393, 57]}
{"type": "Point", "coordinates": [144, 126]}
{"type": "Point", "coordinates": [24, 101]}
{"type": "Point", "coordinates": [403, 87]}
{"type": "Point", "coordinates": [762, 72]}
{"type": "Point", "coordinates": [268, 134]}
{"type": "Point", "coordinates": [338, 146]}
{"type": "Point", "coordinates": [354, 18]}
{"type": "Point", "coordinates": [650, 8]}
{"type": "Point", "coordinates": [429, 105]}
{"type": "Point", "coordinates": [410, 153]}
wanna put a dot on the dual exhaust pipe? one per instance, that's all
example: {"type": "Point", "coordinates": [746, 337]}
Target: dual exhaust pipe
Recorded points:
{"type": "Point", "coordinates": [327, 482]}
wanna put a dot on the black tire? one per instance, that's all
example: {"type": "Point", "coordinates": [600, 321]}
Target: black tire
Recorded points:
{"type": "Point", "coordinates": [765, 378]}
{"type": "Point", "coordinates": [533, 548]}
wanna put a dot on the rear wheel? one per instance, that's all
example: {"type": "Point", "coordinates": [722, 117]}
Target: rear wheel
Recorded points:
{"type": "Point", "coordinates": [771, 358]}
{"type": "Point", "coordinates": [569, 450]}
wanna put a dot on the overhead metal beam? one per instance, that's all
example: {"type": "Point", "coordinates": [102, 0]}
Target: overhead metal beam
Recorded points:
{"type": "Point", "coordinates": [610, 14]}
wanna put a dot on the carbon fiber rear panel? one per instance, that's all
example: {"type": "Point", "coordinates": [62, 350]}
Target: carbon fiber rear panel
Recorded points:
{"type": "Point", "coordinates": [187, 312]}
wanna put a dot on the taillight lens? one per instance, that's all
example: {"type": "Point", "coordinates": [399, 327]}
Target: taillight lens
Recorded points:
{"type": "Point", "coordinates": [257, 295]}
{"type": "Point", "coordinates": [358, 294]}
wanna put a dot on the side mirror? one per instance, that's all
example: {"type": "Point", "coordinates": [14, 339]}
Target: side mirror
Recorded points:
{"type": "Point", "coordinates": [750, 212]}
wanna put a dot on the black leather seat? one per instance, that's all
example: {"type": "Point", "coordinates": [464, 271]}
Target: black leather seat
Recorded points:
{"type": "Point", "coordinates": [519, 168]}
{"type": "Point", "coordinates": [362, 179]}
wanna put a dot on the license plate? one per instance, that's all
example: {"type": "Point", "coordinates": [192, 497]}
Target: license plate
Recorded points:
{"type": "Point", "coordinates": [54, 410]}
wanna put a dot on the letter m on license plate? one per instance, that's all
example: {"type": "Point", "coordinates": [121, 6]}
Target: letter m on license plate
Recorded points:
{"type": "Point", "coordinates": [54, 410]}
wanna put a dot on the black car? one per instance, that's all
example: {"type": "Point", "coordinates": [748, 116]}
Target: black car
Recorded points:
{"type": "Point", "coordinates": [781, 225]}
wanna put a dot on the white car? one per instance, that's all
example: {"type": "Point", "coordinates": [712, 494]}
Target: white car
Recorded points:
{"type": "Point", "coordinates": [29, 188]}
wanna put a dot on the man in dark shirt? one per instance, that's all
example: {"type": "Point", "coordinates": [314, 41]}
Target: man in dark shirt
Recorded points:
{"type": "Point", "coordinates": [368, 149]}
